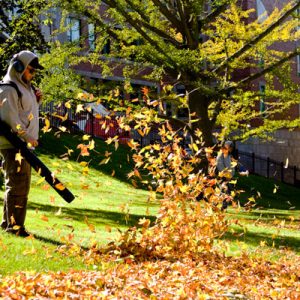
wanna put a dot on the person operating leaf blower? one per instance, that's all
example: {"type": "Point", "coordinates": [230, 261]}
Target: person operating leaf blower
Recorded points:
{"type": "Point", "coordinates": [19, 108]}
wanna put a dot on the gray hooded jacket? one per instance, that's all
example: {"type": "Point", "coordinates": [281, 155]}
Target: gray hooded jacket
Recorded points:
{"type": "Point", "coordinates": [22, 115]}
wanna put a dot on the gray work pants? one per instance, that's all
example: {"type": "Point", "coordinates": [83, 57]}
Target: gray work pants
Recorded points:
{"type": "Point", "coordinates": [17, 184]}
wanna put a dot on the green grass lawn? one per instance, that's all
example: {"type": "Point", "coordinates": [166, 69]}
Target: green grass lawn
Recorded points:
{"type": "Point", "coordinates": [104, 203]}
{"type": "Point", "coordinates": [271, 226]}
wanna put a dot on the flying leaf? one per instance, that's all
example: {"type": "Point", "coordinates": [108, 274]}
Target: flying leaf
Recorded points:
{"type": "Point", "coordinates": [286, 163]}
{"type": "Point", "coordinates": [144, 222]}
{"type": "Point", "coordinates": [104, 161]}
{"type": "Point", "coordinates": [40, 181]}
{"type": "Point", "coordinates": [86, 137]}
{"type": "Point", "coordinates": [19, 157]}
{"type": "Point", "coordinates": [62, 128]}
{"type": "Point", "coordinates": [58, 213]}
{"type": "Point", "coordinates": [68, 104]}
{"type": "Point", "coordinates": [47, 126]}
{"type": "Point", "coordinates": [92, 145]}
{"type": "Point", "coordinates": [44, 218]}
{"type": "Point", "coordinates": [116, 144]}
{"type": "Point", "coordinates": [79, 108]}
{"type": "Point", "coordinates": [60, 186]}
{"type": "Point", "coordinates": [92, 228]}
{"type": "Point", "coordinates": [84, 149]}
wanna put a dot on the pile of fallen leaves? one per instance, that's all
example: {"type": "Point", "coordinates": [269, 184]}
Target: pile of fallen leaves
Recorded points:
{"type": "Point", "coordinates": [211, 276]}
{"type": "Point", "coordinates": [184, 224]}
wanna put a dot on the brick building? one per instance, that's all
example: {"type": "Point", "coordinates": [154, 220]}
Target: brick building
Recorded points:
{"type": "Point", "coordinates": [79, 28]}
{"type": "Point", "coordinates": [286, 144]}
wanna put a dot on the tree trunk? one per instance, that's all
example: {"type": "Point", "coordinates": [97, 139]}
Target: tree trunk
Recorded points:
{"type": "Point", "coordinates": [198, 106]}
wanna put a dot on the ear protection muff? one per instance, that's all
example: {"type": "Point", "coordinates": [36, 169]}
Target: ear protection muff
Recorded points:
{"type": "Point", "coordinates": [17, 64]}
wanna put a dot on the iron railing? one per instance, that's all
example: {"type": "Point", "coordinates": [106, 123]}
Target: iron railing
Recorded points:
{"type": "Point", "coordinates": [270, 168]}
{"type": "Point", "coordinates": [87, 122]}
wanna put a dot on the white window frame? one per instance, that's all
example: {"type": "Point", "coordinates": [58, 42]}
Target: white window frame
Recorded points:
{"type": "Point", "coordinates": [74, 29]}
{"type": "Point", "coordinates": [91, 36]}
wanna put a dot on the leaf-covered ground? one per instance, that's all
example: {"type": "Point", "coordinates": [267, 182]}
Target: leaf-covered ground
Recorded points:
{"type": "Point", "coordinates": [210, 276]}
{"type": "Point", "coordinates": [160, 261]}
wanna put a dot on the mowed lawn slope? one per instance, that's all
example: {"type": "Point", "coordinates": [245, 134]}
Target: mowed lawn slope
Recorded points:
{"type": "Point", "coordinates": [103, 204]}
{"type": "Point", "coordinates": [106, 201]}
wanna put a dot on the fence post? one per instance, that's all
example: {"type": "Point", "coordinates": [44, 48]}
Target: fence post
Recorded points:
{"type": "Point", "coordinates": [92, 125]}
{"type": "Point", "coordinates": [282, 172]}
{"type": "Point", "coordinates": [253, 162]}
{"type": "Point", "coordinates": [268, 167]}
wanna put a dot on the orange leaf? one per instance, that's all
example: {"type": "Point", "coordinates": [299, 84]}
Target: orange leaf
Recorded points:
{"type": "Point", "coordinates": [60, 186]}
{"type": "Point", "coordinates": [44, 218]}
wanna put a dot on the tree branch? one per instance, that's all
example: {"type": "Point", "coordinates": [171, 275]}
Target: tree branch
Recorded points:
{"type": "Point", "coordinates": [133, 23]}
{"type": "Point", "coordinates": [262, 72]}
{"type": "Point", "coordinates": [169, 16]}
{"type": "Point", "coordinates": [145, 22]}
{"type": "Point", "coordinates": [211, 16]}
{"type": "Point", "coordinates": [258, 38]}
{"type": "Point", "coordinates": [248, 79]}
{"type": "Point", "coordinates": [184, 22]}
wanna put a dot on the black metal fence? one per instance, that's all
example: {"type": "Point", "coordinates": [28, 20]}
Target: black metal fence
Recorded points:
{"type": "Point", "coordinates": [89, 123]}
{"type": "Point", "coordinates": [270, 168]}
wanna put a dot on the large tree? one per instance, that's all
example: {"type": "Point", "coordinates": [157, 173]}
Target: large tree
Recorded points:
{"type": "Point", "coordinates": [215, 49]}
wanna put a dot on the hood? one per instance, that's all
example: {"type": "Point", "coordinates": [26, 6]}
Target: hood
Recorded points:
{"type": "Point", "coordinates": [26, 57]}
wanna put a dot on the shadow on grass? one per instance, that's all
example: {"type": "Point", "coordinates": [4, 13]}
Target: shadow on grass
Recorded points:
{"type": "Point", "coordinates": [48, 240]}
{"type": "Point", "coordinates": [269, 217]}
{"type": "Point", "coordinates": [283, 197]}
{"type": "Point", "coordinates": [98, 217]}
{"type": "Point", "coordinates": [255, 238]}
{"type": "Point", "coordinates": [56, 146]}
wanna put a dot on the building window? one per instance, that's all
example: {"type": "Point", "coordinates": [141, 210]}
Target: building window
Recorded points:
{"type": "Point", "coordinates": [106, 48]}
{"type": "Point", "coordinates": [298, 17]}
{"type": "Point", "coordinates": [298, 65]}
{"type": "Point", "coordinates": [91, 37]}
{"type": "Point", "coordinates": [262, 96]}
{"type": "Point", "coordinates": [73, 32]}
{"type": "Point", "coordinates": [261, 11]}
